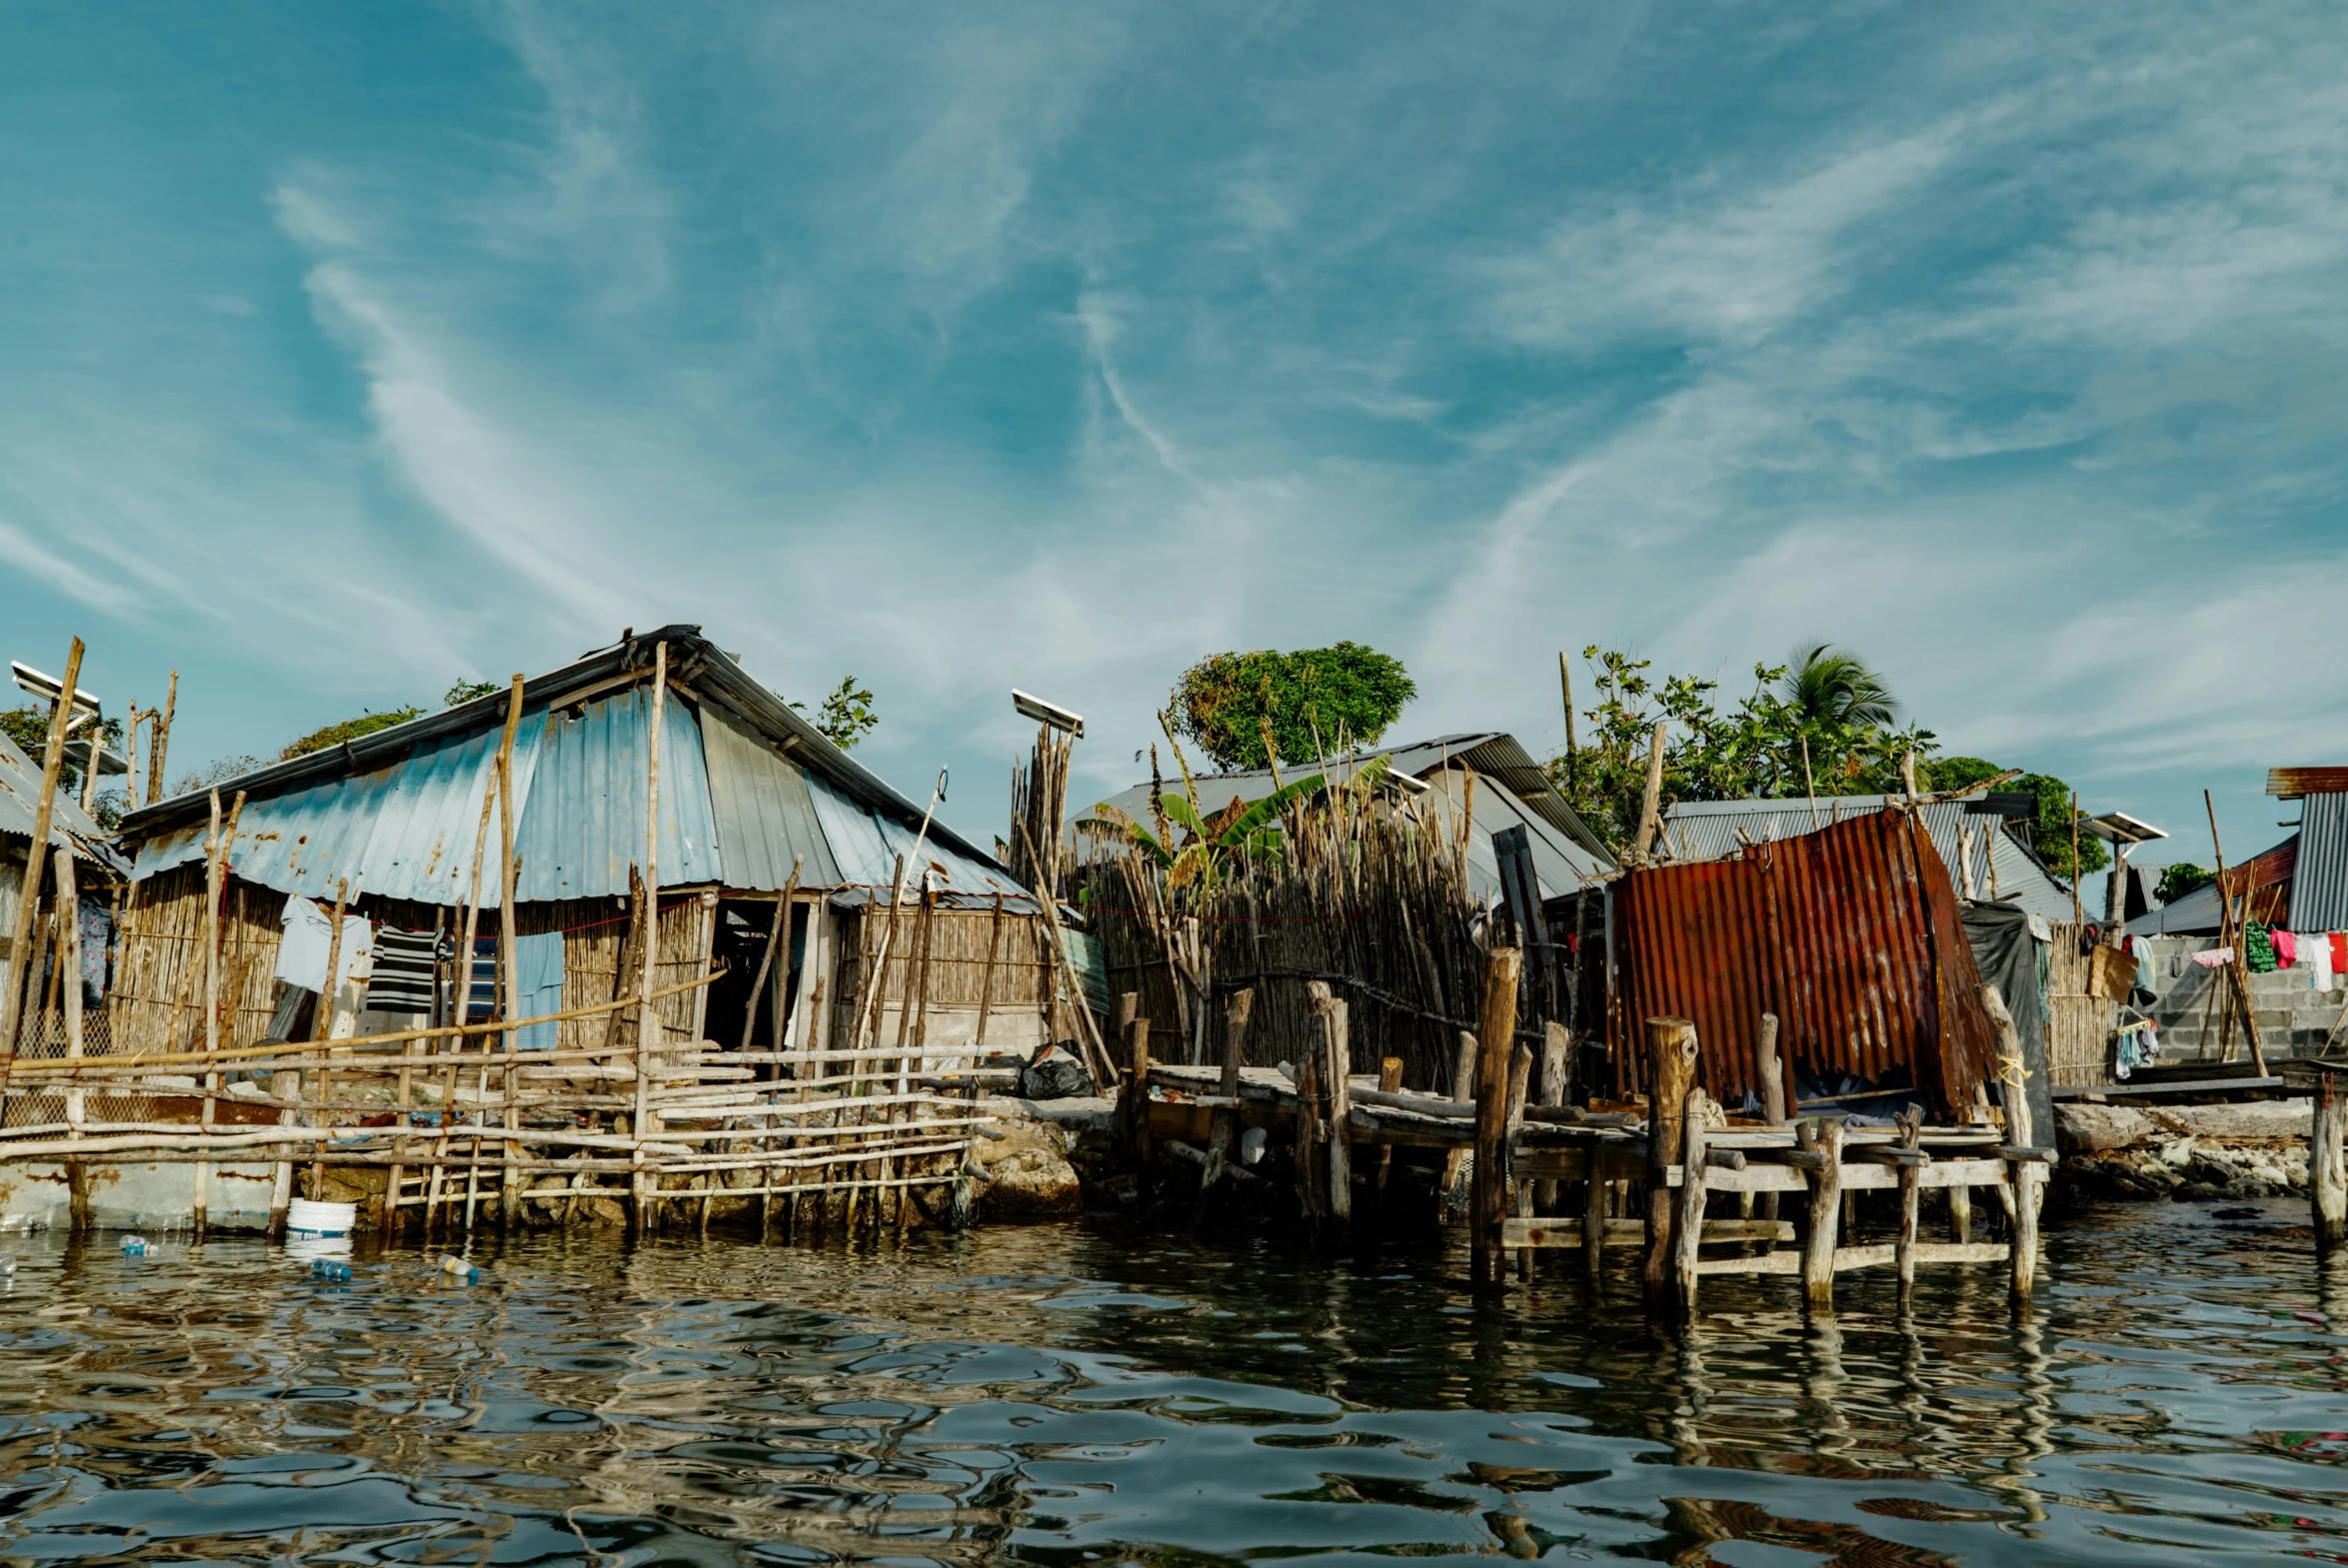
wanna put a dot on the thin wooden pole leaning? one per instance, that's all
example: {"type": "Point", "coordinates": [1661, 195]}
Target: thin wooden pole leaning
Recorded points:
{"type": "Point", "coordinates": [509, 1193]}
{"type": "Point", "coordinates": [69, 964]}
{"type": "Point", "coordinates": [20, 967]}
{"type": "Point", "coordinates": [646, 1022]}
{"type": "Point", "coordinates": [322, 1028]}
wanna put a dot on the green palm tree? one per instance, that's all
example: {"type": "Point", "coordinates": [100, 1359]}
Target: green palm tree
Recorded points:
{"type": "Point", "coordinates": [1828, 687]}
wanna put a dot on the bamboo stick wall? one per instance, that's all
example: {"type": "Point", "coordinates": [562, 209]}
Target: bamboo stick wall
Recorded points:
{"type": "Point", "coordinates": [959, 980]}
{"type": "Point", "coordinates": [1368, 892]}
{"type": "Point", "coordinates": [2078, 1025]}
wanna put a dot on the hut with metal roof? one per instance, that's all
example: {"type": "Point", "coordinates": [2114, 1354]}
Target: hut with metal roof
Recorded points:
{"type": "Point", "coordinates": [750, 791]}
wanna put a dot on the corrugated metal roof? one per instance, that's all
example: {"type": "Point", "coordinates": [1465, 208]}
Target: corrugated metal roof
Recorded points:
{"type": "Point", "coordinates": [1561, 865]}
{"type": "Point", "coordinates": [2319, 880]}
{"type": "Point", "coordinates": [402, 830]}
{"type": "Point", "coordinates": [1849, 935]}
{"type": "Point", "coordinates": [395, 810]}
{"type": "Point", "coordinates": [764, 814]}
{"type": "Point", "coordinates": [1497, 757]}
{"type": "Point", "coordinates": [2292, 783]}
{"type": "Point", "coordinates": [584, 825]}
{"type": "Point", "coordinates": [866, 845]}
{"type": "Point", "coordinates": [1706, 829]}
{"type": "Point", "coordinates": [20, 800]}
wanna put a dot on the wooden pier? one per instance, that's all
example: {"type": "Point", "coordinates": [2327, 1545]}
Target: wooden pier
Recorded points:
{"type": "Point", "coordinates": [1696, 1193]}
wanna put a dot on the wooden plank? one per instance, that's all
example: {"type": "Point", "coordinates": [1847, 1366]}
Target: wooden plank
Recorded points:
{"type": "Point", "coordinates": [1759, 1177]}
{"type": "Point", "coordinates": [1767, 1263]}
{"type": "Point", "coordinates": [1875, 1255]}
{"type": "Point", "coordinates": [1566, 1231]}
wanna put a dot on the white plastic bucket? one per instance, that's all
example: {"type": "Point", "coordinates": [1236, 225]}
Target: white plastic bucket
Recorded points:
{"type": "Point", "coordinates": [305, 1218]}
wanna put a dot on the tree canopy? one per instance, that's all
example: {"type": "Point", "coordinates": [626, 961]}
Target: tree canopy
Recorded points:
{"type": "Point", "coordinates": [1313, 703]}
{"type": "Point", "coordinates": [1824, 723]}
{"type": "Point", "coordinates": [847, 715]}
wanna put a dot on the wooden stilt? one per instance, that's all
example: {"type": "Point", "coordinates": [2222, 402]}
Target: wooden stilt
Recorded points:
{"type": "Point", "coordinates": [641, 1181]}
{"type": "Point", "coordinates": [1336, 1064]}
{"type": "Point", "coordinates": [2327, 1159]}
{"type": "Point", "coordinates": [1690, 1221]}
{"type": "Point", "coordinates": [1593, 1216]}
{"type": "Point", "coordinates": [1911, 1136]}
{"type": "Point", "coordinates": [1224, 1131]}
{"type": "Point", "coordinates": [1389, 1079]}
{"type": "Point", "coordinates": [1822, 1140]}
{"type": "Point", "coordinates": [1671, 1065]}
{"type": "Point", "coordinates": [1496, 1039]}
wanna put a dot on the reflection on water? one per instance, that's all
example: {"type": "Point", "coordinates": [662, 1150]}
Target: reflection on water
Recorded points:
{"type": "Point", "coordinates": [1080, 1394]}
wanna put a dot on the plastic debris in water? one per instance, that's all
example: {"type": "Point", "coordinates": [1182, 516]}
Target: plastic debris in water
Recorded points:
{"type": "Point", "coordinates": [134, 1246]}
{"type": "Point", "coordinates": [330, 1271]}
{"type": "Point", "coordinates": [7, 1265]}
{"type": "Point", "coordinates": [460, 1270]}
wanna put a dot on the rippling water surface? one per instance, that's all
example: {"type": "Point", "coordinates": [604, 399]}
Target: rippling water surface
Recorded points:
{"type": "Point", "coordinates": [1094, 1393]}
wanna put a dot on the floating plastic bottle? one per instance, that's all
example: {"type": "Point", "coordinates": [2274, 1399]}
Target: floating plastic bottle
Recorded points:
{"type": "Point", "coordinates": [330, 1272]}
{"type": "Point", "coordinates": [460, 1270]}
{"type": "Point", "coordinates": [134, 1246]}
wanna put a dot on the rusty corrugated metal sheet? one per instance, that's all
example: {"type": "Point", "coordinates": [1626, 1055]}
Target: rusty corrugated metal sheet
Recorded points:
{"type": "Point", "coordinates": [2290, 784]}
{"type": "Point", "coordinates": [1849, 935]}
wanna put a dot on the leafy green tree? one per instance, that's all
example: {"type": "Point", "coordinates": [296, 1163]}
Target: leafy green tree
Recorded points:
{"type": "Point", "coordinates": [1955, 773]}
{"type": "Point", "coordinates": [468, 691]}
{"type": "Point", "coordinates": [219, 770]}
{"type": "Point", "coordinates": [1819, 725]}
{"type": "Point", "coordinates": [28, 725]}
{"type": "Point", "coordinates": [2050, 829]}
{"type": "Point", "coordinates": [2179, 879]}
{"type": "Point", "coordinates": [847, 715]}
{"type": "Point", "coordinates": [1311, 703]}
{"type": "Point", "coordinates": [342, 730]}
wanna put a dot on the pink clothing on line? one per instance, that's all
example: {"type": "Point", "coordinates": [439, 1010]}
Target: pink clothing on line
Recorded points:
{"type": "Point", "coordinates": [2214, 957]}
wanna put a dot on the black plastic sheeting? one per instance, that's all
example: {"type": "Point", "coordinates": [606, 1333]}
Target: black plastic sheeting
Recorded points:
{"type": "Point", "coordinates": [2007, 956]}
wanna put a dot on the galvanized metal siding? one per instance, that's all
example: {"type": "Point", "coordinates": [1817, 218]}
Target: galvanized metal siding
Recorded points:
{"type": "Point", "coordinates": [584, 822]}
{"type": "Point", "coordinates": [1836, 931]}
{"type": "Point", "coordinates": [864, 846]}
{"type": "Point", "coordinates": [763, 812]}
{"type": "Point", "coordinates": [2319, 879]}
{"type": "Point", "coordinates": [20, 800]}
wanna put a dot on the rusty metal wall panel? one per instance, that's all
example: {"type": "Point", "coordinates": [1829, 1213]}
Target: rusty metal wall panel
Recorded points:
{"type": "Point", "coordinates": [1849, 935]}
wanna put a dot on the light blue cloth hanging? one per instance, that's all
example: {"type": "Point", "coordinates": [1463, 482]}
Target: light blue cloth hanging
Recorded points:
{"type": "Point", "coordinates": [538, 974]}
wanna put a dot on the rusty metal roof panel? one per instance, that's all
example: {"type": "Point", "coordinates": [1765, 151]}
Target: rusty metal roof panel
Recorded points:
{"type": "Point", "coordinates": [2290, 784]}
{"type": "Point", "coordinates": [1849, 935]}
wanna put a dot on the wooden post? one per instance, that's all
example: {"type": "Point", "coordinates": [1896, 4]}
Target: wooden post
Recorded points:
{"type": "Point", "coordinates": [1671, 1070]}
{"type": "Point", "coordinates": [2238, 972]}
{"type": "Point", "coordinates": [510, 1180]}
{"type": "Point", "coordinates": [1961, 1213]}
{"type": "Point", "coordinates": [69, 964]}
{"type": "Point", "coordinates": [1650, 805]}
{"type": "Point", "coordinates": [159, 742]}
{"type": "Point", "coordinates": [1463, 1061]}
{"type": "Point", "coordinates": [215, 888]}
{"type": "Point", "coordinates": [1556, 1050]}
{"type": "Point", "coordinates": [1823, 1138]}
{"type": "Point", "coordinates": [1520, 1192]}
{"type": "Point", "coordinates": [640, 1180]}
{"type": "Point", "coordinates": [1136, 1104]}
{"type": "Point", "coordinates": [2327, 1160]}
{"type": "Point", "coordinates": [1496, 1040]}
{"type": "Point", "coordinates": [1336, 1064]}
{"type": "Point", "coordinates": [986, 976]}
{"type": "Point", "coordinates": [321, 1032]}
{"type": "Point", "coordinates": [2025, 1175]}
{"type": "Point", "coordinates": [1593, 1213]}
{"type": "Point", "coordinates": [1688, 1232]}
{"type": "Point", "coordinates": [1775, 1096]}
{"type": "Point", "coordinates": [1390, 1081]}
{"type": "Point", "coordinates": [1223, 1128]}
{"type": "Point", "coordinates": [20, 966]}
{"type": "Point", "coordinates": [1911, 1136]}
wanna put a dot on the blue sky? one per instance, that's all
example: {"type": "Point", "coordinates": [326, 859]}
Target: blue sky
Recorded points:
{"type": "Point", "coordinates": [353, 349]}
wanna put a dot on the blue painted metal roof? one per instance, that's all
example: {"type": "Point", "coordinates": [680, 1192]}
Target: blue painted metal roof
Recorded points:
{"type": "Point", "coordinates": [760, 803]}
{"type": "Point", "coordinates": [403, 830]}
{"type": "Point", "coordinates": [747, 787]}
{"type": "Point", "coordinates": [865, 845]}
{"type": "Point", "coordinates": [585, 822]}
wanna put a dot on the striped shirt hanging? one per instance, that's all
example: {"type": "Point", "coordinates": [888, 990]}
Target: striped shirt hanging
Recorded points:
{"type": "Point", "coordinates": [402, 981]}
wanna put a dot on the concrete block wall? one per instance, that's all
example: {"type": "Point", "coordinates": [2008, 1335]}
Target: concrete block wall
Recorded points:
{"type": "Point", "coordinates": [2294, 1019]}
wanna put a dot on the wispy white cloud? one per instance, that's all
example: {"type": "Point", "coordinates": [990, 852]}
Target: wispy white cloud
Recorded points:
{"type": "Point", "coordinates": [32, 555]}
